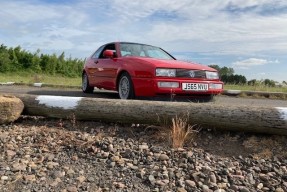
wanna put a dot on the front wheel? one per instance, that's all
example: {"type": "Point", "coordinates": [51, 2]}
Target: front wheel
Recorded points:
{"type": "Point", "coordinates": [86, 85]}
{"type": "Point", "coordinates": [125, 87]}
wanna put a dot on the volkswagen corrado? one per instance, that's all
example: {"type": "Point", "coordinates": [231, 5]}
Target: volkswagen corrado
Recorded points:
{"type": "Point", "coordinates": [139, 70]}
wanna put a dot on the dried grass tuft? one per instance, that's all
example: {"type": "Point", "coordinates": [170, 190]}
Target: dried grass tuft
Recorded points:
{"type": "Point", "coordinates": [266, 146]}
{"type": "Point", "coordinates": [181, 131]}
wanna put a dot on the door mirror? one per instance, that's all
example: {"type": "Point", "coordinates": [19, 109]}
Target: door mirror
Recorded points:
{"type": "Point", "coordinates": [109, 53]}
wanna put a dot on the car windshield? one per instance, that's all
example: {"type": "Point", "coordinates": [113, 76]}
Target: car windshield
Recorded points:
{"type": "Point", "coordinates": [140, 50]}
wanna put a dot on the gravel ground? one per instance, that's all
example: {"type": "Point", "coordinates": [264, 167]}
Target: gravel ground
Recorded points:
{"type": "Point", "coordinates": [38, 154]}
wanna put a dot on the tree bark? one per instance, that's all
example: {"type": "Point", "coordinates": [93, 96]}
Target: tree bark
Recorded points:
{"type": "Point", "coordinates": [10, 109]}
{"type": "Point", "coordinates": [271, 120]}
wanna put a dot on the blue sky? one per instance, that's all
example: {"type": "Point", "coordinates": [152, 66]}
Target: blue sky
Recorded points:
{"type": "Point", "coordinates": [247, 35]}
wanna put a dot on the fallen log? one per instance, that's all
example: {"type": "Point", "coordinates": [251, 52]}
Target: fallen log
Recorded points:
{"type": "Point", "coordinates": [10, 108]}
{"type": "Point", "coordinates": [271, 120]}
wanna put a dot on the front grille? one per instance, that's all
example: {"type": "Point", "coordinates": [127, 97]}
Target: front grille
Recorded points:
{"type": "Point", "coordinates": [187, 73]}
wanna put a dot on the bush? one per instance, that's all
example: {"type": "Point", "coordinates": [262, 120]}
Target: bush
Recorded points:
{"type": "Point", "coordinates": [17, 59]}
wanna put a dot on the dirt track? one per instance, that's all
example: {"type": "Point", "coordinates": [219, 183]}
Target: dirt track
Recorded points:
{"type": "Point", "coordinates": [113, 95]}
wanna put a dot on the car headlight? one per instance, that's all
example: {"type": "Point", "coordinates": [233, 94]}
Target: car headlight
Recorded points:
{"type": "Point", "coordinates": [212, 75]}
{"type": "Point", "coordinates": [165, 72]}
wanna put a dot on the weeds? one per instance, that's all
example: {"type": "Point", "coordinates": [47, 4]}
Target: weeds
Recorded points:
{"type": "Point", "coordinates": [181, 131]}
{"type": "Point", "coordinates": [264, 147]}
{"type": "Point", "coordinates": [177, 130]}
{"type": "Point", "coordinates": [73, 121]}
{"type": "Point", "coordinates": [37, 78]}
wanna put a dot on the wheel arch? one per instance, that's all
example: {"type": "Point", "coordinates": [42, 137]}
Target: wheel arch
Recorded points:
{"type": "Point", "coordinates": [86, 87]}
{"type": "Point", "coordinates": [85, 72]}
{"type": "Point", "coordinates": [118, 79]}
{"type": "Point", "coordinates": [119, 75]}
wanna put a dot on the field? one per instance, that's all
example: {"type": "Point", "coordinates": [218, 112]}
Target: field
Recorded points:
{"type": "Point", "coordinates": [256, 88]}
{"type": "Point", "coordinates": [60, 80]}
{"type": "Point", "coordinates": [39, 78]}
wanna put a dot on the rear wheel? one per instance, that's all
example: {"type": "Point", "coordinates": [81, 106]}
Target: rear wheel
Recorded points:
{"type": "Point", "coordinates": [86, 85]}
{"type": "Point", "coordinates": [125, 87]}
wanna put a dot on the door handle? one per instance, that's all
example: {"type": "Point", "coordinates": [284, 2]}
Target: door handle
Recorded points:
{"type": "Point", "coordinates": [96, 62]}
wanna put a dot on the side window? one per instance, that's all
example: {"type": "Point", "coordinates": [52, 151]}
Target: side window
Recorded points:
{"type": "Point", "coordinates": [110, 47]}
{"type": "Point", "coordinates": [98, 52]}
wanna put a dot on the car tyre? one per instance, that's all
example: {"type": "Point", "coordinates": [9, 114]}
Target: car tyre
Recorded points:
{"type": "Point", "coordinates": [125, 87]}
{"type": "Point", "coordinates": [86, 85]}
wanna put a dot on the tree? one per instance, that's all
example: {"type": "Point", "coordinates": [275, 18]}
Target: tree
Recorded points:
{"type": "Point", "coordinates": [61, 65]}
{"type": "Point", "coordinates": [51, 67]}
{"type": "Point", "coordinates": [252, 82]}
{"type": "Point", "coordinates": [5, 61]}
{"type": "Point", "coordinates": [234, 79]}
{"type": "Point", "coordinates": [227, 71]}
{"type": "Point", "coordinates": [36, 62]}
{"type": "Point", "coordinates": [215, 67]}
{"type": "Point", "coordinates": [269, 83]}
{"type": "Point", "coordinates": [227, 75]}
{"type": "Point", "coordinates": [14, 60]}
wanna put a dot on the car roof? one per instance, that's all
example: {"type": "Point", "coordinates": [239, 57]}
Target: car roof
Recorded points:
{"type": "Point", "coordinates": [118, 42]}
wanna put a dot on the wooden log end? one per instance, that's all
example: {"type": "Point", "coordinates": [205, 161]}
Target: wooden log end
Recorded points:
{"type": "Point", "coordinates": [11, 108]}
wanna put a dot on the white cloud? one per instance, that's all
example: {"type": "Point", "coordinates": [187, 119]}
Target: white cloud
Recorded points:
{"type": "Point", "coordinates": [194, 25]}
{"type": "Point", "coordinates": [252, 62]}
{"type": "Point", "coordinates": [226, 28]}
{"type": "Point", "coordinates": [201, 25]}
{"type": "Point", "coordinates": [21, 11]}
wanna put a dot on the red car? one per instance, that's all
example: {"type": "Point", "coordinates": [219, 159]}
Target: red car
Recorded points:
{"type": "Point", "coordinates": [139, 70]}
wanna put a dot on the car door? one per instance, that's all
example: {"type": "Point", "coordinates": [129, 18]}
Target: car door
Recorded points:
{"type": "Point", "coordinates": [106, 69]}
{"type": "Point", "coordinates": [92, 67]}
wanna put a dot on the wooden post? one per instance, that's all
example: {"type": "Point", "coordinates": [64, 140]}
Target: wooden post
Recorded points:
{"type": "Point", "coordinates": [271, 120]}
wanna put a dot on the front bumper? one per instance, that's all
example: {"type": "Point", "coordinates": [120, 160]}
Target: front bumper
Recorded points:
{"type": "Point", "coordinates": [150, 87]}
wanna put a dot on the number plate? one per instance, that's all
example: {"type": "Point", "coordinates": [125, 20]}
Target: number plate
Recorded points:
{"type": "Point", "coordinates": [194, 86]}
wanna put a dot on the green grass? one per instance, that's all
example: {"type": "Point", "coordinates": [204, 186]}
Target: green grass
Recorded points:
{"type": "Point", "coordinates": [24, 77]}
{"type": "Point", "coordinates": [256, 88]}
